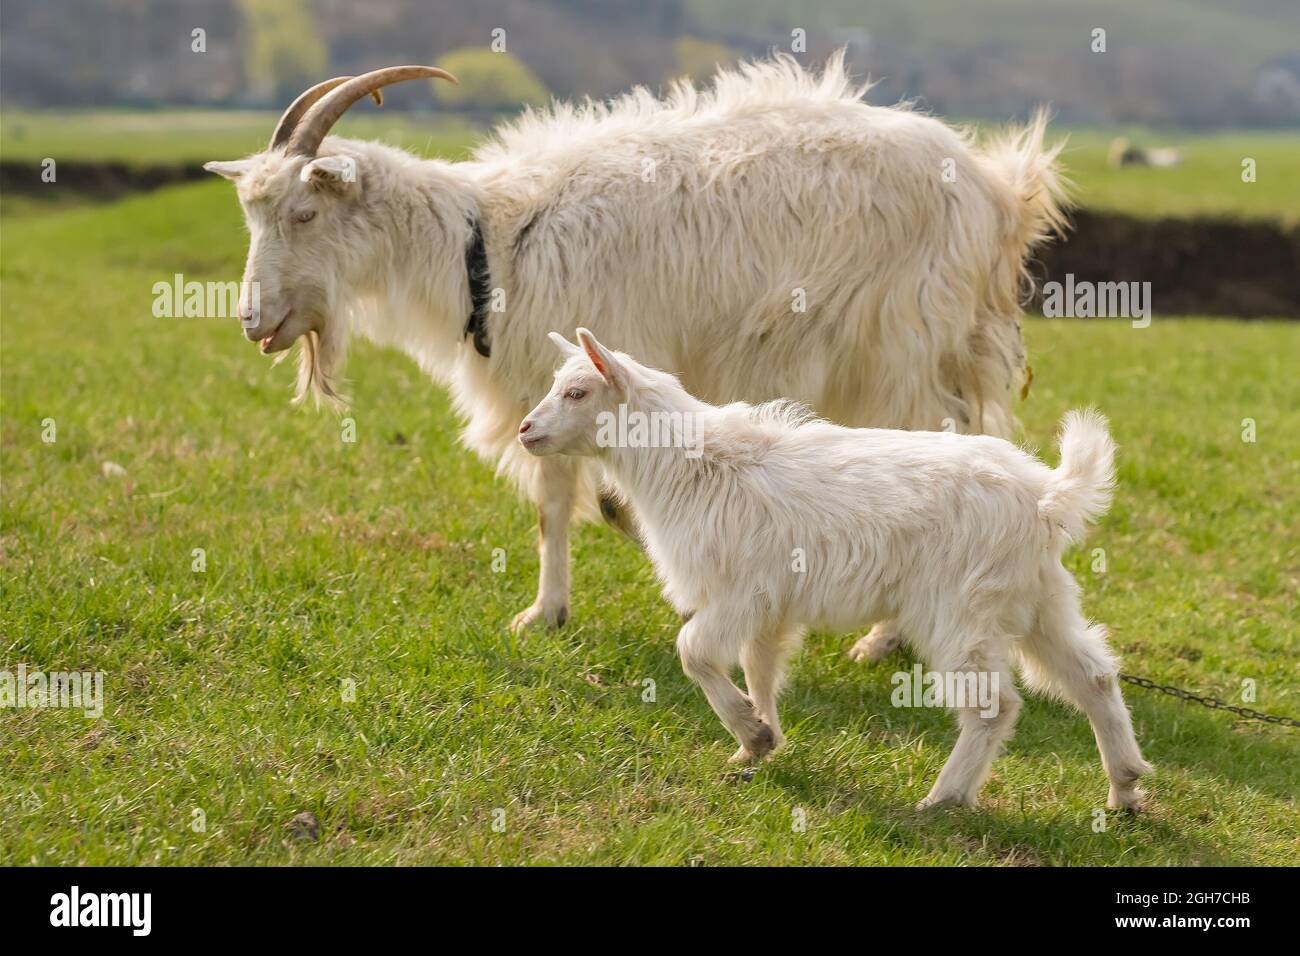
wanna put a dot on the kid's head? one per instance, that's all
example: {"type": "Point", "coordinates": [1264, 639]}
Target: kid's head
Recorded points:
{"type": "Point", "coordinates": [592, 380]}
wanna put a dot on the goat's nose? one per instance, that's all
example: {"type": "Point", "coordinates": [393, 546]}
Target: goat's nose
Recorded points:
{"type": "Point", "coordinates": [525, 426]}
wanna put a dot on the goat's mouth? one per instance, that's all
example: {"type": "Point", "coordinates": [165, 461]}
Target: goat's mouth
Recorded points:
{"type": "Point", "coordinates": [531, 442]}
{"type": "Point", "coordinates": [281, 336]}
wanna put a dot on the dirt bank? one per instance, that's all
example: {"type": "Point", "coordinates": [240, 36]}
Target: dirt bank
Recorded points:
{"type": "Point", "coordinates": [93, 180]}
{"type": "Point", "coordinates": [1195, 266]}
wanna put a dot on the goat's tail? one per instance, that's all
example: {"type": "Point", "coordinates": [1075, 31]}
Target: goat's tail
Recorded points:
{"type": "Point", "coordinates": [1028, 167]}
{"type": "Point", "coordinates": [1030, 196]}
{"type": "Point", "coordinates": [1078, 491]}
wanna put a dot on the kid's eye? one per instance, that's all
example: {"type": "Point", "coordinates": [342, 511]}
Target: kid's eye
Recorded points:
{"type": "Point", "coordinates": [577, 394]}
{"type": "Point", "coordinates": [307, 215]}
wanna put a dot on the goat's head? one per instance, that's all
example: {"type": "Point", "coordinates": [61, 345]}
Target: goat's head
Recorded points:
{"type": "Point", "coordinates": [301, 203]}
{"type": "Point", "coordinates": [592, 382]}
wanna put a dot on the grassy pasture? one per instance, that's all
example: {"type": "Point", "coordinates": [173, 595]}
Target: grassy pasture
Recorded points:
{"type": "Point", "coordinates": [1207, 183]}
{"type": "Point", "coordinates": [196, 136]}
{"type": "Point", "coordinates": [371, 562]}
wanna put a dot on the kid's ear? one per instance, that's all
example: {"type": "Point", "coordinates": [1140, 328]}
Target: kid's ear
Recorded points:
{"type": "Point", "coordinates": [609, 367]}
{"type": "Point", "coordinates": [231, 170]}
{"type": "Point", "coordinates": [333, 173]}
{"type": "Point", "coordinates": [563, 344]}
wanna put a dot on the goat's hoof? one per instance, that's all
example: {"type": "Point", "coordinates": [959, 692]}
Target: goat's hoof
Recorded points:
{"type": "Point", "coordinates": [945, 800]}
{"type": "Point", "coordinates": [552, 617]}
{"type": "Point", "coordinates": [876, 645]}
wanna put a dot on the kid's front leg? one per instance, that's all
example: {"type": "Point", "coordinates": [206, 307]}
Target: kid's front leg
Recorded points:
{"type": "Point", "coordinates": [710, 644]}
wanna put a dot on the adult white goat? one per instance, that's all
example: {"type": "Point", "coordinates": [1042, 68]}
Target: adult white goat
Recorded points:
{"type": "Point", "coordinates": [775, 236]}
{"type": "Point", "coordinates": [763, 523]}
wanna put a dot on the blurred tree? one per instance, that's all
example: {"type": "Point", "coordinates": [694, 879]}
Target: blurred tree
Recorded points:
{"type": "Point", "coordinates": [699, 59]}
{"type": "Point", "coordinates": [489, 80]}
{"type": "Point", "coordinates": [284, 51]}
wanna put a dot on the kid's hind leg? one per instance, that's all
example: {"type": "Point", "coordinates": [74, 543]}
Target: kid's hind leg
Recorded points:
{"type": "Point", "coordinates": [710, 644]}
{"type": "Point", "coordinates": [1066, 655]}
{"type": "Point", "coordinates": [985, 726]}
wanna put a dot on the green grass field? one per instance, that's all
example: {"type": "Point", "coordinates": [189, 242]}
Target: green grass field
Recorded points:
{"type": "Point", "coordinates": [371, 562]}
{"type": "Point", "coordinates": [1207, 183]}
{"type": "Point", "coordinates": [196, 136]}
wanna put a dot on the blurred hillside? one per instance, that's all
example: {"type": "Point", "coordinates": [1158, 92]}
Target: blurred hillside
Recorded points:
{"type": "Point", "coordinates": [1193, 63]}
{"type": "Point", "coordinates": [1177, 62]}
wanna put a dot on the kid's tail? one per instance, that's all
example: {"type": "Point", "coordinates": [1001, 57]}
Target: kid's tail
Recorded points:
{"type": "Point", "coordinates": [1078, 492]}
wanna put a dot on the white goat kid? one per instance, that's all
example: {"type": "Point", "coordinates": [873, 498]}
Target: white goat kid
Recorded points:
{"type": "Point", "coordinates": [774, 236]}
{"type": "Point", "coordinates": [958, 537]}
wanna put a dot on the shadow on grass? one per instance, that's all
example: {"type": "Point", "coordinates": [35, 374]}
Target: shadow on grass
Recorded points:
{"type": "Point", "coordinates": [1001, 832]}
{"type": "Point", "coordinates": [1171, 734]}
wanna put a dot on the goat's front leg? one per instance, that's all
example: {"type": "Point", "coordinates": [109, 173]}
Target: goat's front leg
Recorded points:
{"type": "Point", "coordinates": [618, 514]}
{"type": "Point", "coordinates": [710, 645]}
{"type": "Point", "coordinates": [555, 490]}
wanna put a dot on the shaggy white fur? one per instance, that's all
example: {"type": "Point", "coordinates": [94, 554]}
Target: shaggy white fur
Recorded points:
{"type": "Point", "coordinates": [775, 236]}
{"type": "Point", "coordinates": [776, 522]}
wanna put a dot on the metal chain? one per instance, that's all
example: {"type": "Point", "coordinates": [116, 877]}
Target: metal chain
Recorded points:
{"type": "Point", "coordinates": [1212, 702]}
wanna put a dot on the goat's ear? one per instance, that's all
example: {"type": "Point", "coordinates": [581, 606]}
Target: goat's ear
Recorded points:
{"type": "Point", "coordinates": [332, 173]}
{"type": "Point", "coordinates": [563, 344]}
{"type": "Point", "coordinates": [609, 367]}
{"type": "Point", "coordinates": [231, 170]}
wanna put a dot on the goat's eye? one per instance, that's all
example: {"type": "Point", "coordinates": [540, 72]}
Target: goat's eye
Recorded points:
{"type": "Point", "coordinates": [577, 394]}
{"type": "Point", "coordinates": [307, 215]}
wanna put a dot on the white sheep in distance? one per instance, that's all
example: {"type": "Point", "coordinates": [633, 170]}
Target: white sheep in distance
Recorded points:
{"type": "Point", "coordinates": [764, 522]}
{"type": "Point", "coordinates": [774, 236]}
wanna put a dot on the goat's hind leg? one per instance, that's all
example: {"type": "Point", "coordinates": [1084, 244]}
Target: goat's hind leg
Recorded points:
{"type": "Point", "coordinates": [878, 643]}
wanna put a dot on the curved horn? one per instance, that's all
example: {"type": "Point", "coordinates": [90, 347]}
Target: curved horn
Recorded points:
{"type": "Point", "coordinates": [325, 112]}
{"type": "Point", "coordinates": [289, 120]}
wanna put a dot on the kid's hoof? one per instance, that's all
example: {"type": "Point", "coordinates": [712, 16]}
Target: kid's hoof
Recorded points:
{"type": "Point", "coordinates": [761, 744]}
{"type": "Point", "coordinates": [1134, 800]}
{"type": "Point", "coordinates": [741, 756]}
{"type": "Point", "coordinates": [746, 756]}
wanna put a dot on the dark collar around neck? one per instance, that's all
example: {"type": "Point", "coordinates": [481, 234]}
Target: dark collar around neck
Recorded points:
{"type": "Point", "coordinates": [480, 289]}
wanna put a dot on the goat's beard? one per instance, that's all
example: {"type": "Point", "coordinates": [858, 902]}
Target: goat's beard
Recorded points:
{"type": "Point", "coordinates": [319, 358]}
